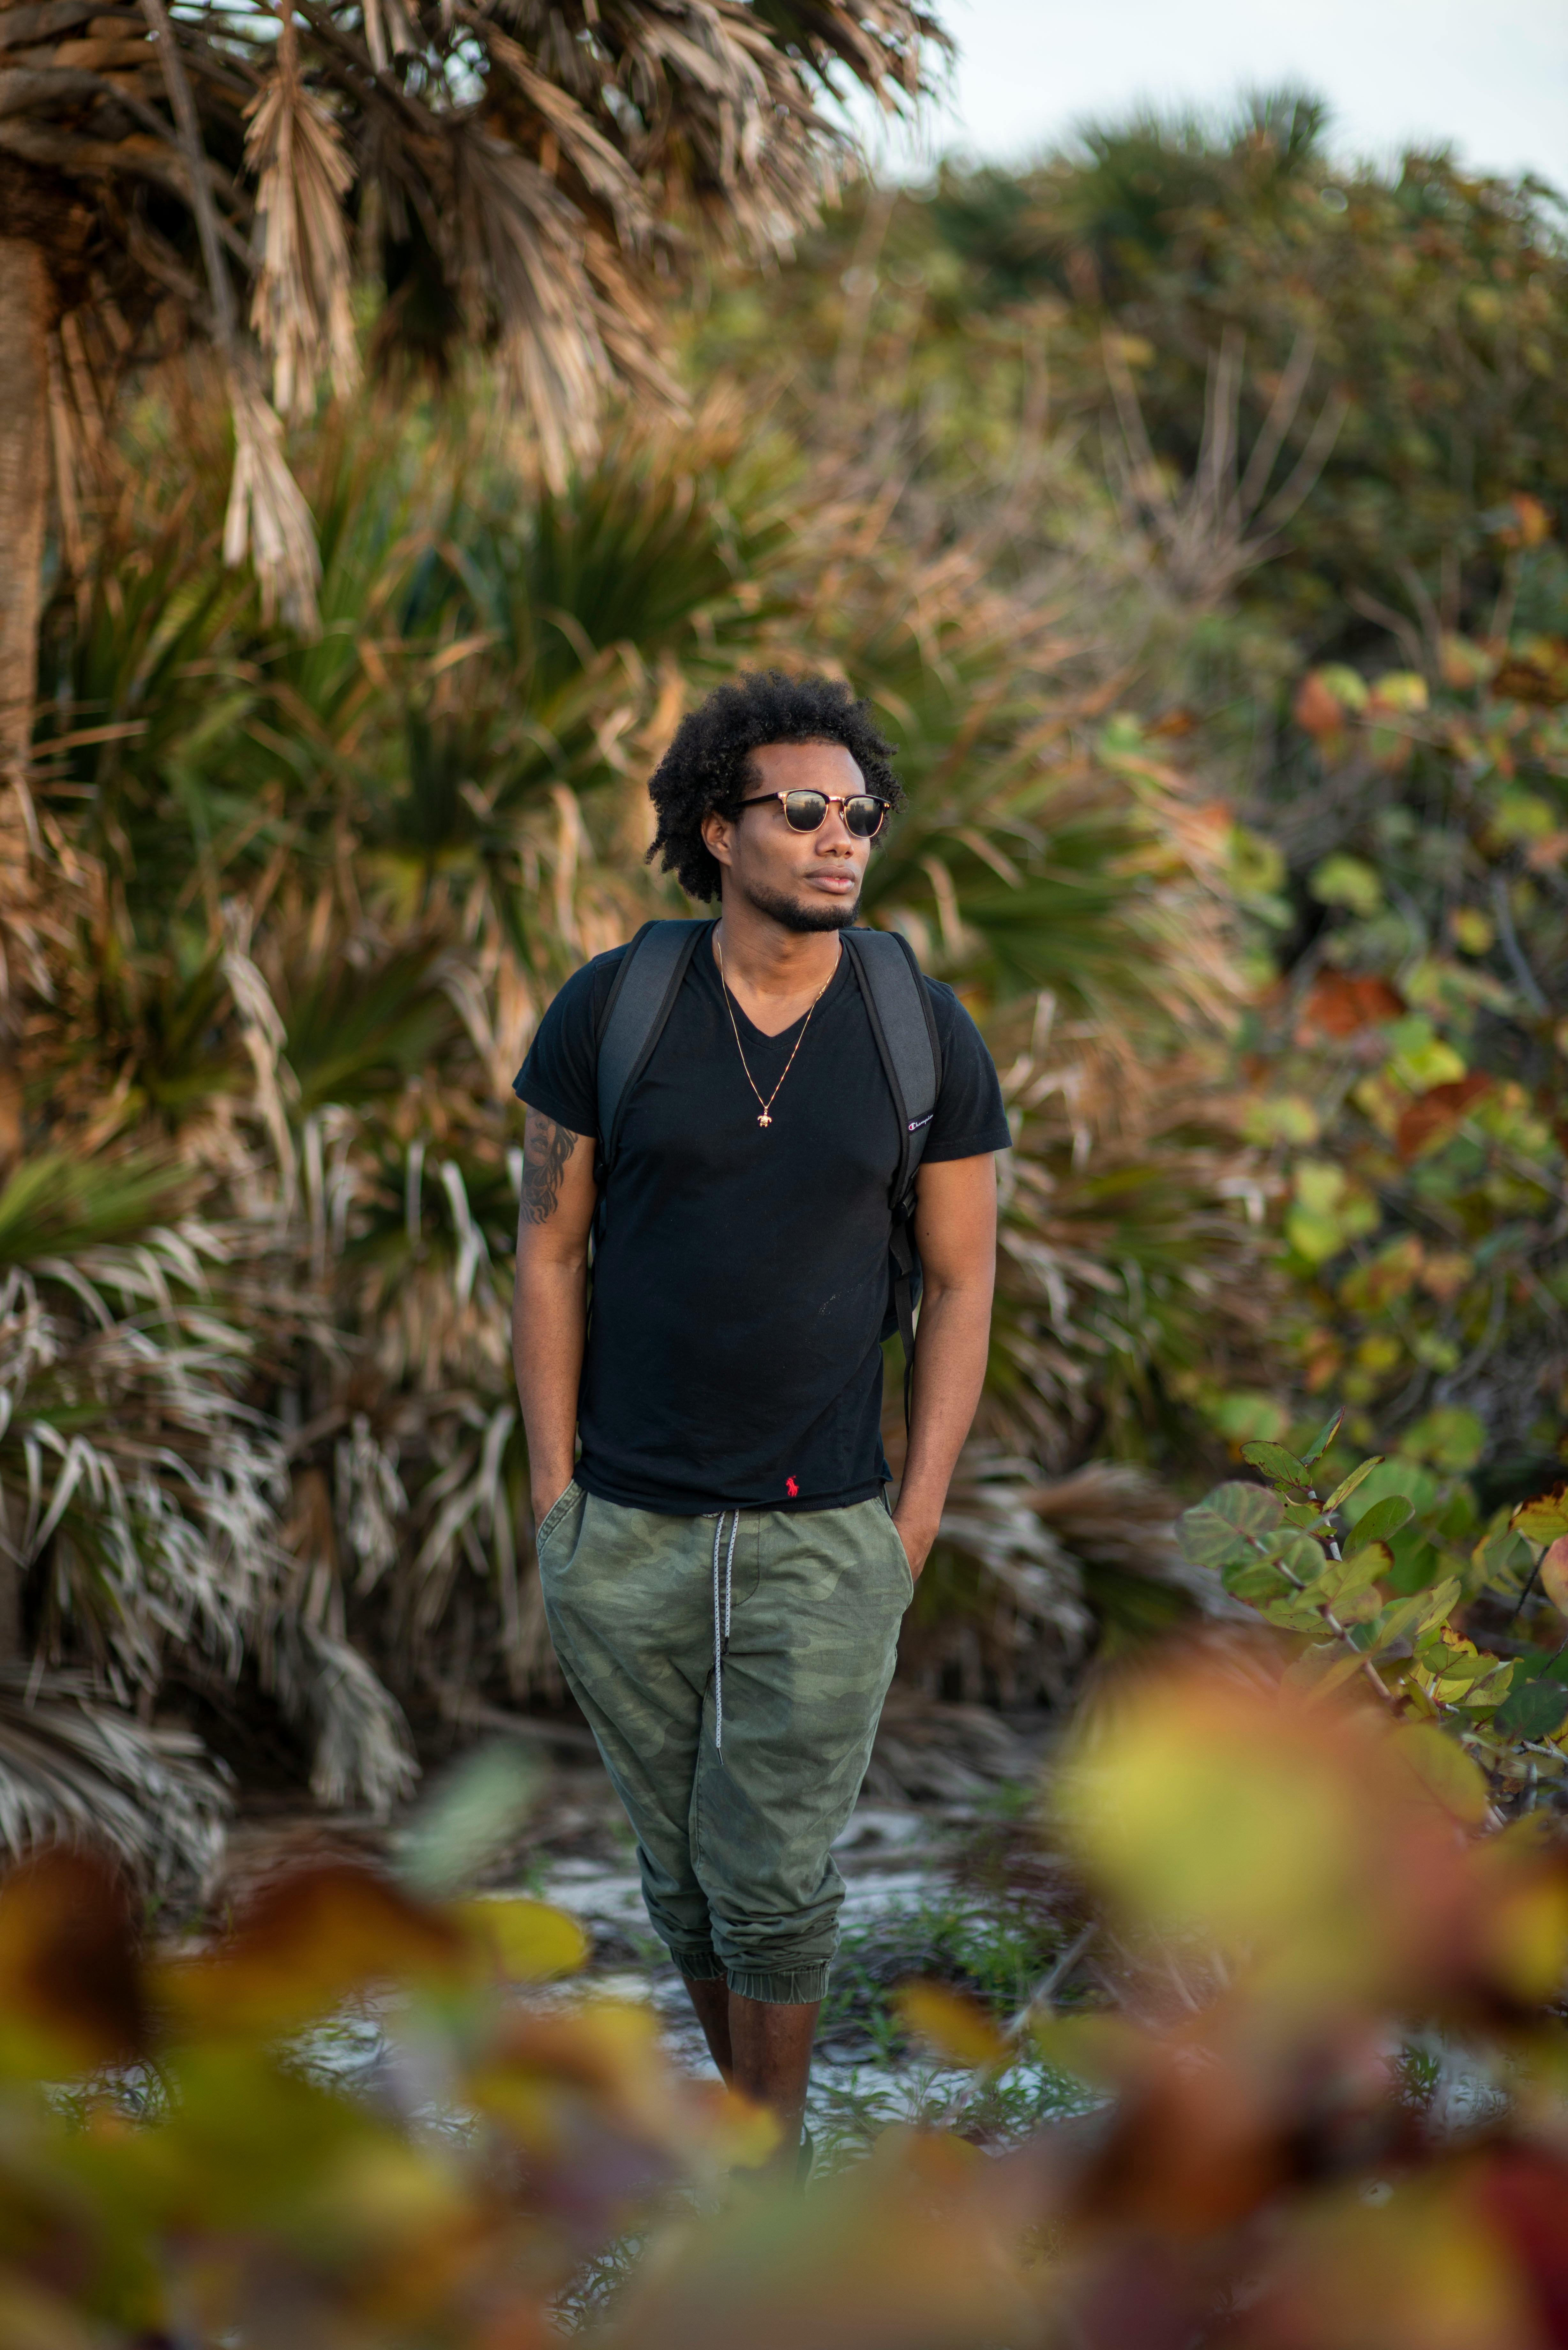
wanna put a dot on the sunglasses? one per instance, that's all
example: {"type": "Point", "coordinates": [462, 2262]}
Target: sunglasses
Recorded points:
{"type": "Point", "coordinates": [863, 812]}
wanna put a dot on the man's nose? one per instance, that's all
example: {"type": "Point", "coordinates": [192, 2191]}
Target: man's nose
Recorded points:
{"type": "Point", "coordinates": [834, 835]}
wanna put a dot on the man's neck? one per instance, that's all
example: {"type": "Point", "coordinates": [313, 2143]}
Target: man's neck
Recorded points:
{"type": "Point", "coordinates": [768, 964]}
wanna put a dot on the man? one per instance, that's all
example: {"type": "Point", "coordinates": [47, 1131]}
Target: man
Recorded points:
{"type": "Point", "coordinates": [722, 1577]}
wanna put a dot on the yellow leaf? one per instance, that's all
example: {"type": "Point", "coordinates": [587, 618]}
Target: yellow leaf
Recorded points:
{"type": "Point", "coordinates": [1322, 1670]}
{"type": "Point", "coordinates": [1544, 1519]}
{"type": "Point", "coordinates": [526, 1941]}
{"type": "Point", "coordinates": [1401, 690]}
{"type": "Point", "coordinates": [1528, 1926]}
{"type": "Point", "coordinates": [955, 2027]}
{"type": "Point", "coordinates": [1445, 1770]}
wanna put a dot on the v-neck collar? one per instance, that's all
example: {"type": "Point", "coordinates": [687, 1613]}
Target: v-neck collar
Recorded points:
{"type": "Point", "coordinates": [748, 1026]}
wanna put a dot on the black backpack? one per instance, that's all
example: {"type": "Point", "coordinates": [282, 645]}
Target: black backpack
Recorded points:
{"type": "Point", "coordinates": [899, 1011]}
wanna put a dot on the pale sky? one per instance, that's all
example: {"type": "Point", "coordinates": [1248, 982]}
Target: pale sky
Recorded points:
{"type": "Point", "coordinates": [1491, 77]}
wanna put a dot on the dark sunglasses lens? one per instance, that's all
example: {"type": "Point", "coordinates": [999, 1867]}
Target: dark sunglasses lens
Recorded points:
{"type": "Point", "coordinates": [804, 811]}
{"type": "Point", "coordinates": [864, 815]}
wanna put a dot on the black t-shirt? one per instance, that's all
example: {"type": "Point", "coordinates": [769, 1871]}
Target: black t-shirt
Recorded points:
{"type": "Point", "coordinates": [741, 1279]}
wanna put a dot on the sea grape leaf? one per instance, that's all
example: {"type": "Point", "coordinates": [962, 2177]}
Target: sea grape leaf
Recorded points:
{"type": "Point", "coordinates": [1342, 1580]}
{"type": "Point", "coordinates": [1489, 1690]}
{"type": "Point", "coordinates": [1555, 1574]}
{"type": "Point", "coordinates": [1438, 1604]}
{"type": "Point", "coordinates": [1251, 1509]}
{"type": "Point", "coordinates": [1206, 1539]}
{"type": "Point", "coordinates": [1383, 1518]}
{"type": "Point", "coordinates": [1503, 1557]}
{"type": "Point", "coordinates": [1359, 1568]}
{"type": "Point", "coordinates": [1399, 1618]}
{"type": "Point", "coordinates": [1298, 1554]}
{"type": "Point", "coordinates": [1282, 1466]}
{"type": "Point", "coordinates": [1543, 1520]}
{"type": "Point", "coordinates": [1347, 1485]}
{"type": "Point", "coordinates": [1303, 1514]}
{"type": "Point", "coordinates": [1532, 1709]}
{"type": "Point", "coordinates": [1463, 1666]}
{"type": "Point", "coordinates": [1447, 1771]}
{"type": "Point", "coordinates": [1322, 1670]}
{"type": "Point", "coordinates": [1255, 1580]}
{"type": "Point", "coordinates": [1322, 1440]}
{"type": "Point", "coordinates": [1293, 1613]}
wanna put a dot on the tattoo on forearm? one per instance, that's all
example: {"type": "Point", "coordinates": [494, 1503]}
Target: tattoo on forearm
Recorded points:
{"type": "Point", "coordinates": [546, 1147]}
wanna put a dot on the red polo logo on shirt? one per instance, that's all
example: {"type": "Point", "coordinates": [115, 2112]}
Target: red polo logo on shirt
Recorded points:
{"type": "Point", "coordinates": [790, 1488]}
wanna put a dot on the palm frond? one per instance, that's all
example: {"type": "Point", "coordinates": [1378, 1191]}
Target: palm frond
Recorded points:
{"type": "Point", "coordinates": [361, 1751]}
{"type": "Point", "coordinates": [300, 305]}
{"type": "Point", "coordinates": [76, 1768]}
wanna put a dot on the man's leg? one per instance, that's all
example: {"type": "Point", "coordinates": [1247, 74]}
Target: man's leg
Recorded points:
{"type": "Point", "coordinates": [628, 1597]}
{"type": "Point", "coordinates": [763, 2048]}
{"type": "Point", "coordinates": [814, 1635]}
{"type": "Point", "coordinates": [771, 2040]}
{"type": "Point", "coordinates": [711, 2003]}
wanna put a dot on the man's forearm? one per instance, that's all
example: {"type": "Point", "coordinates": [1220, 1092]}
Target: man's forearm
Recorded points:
{"type": "Point", "coordinates": [950, 1371]}
{"type": "Point", "coordinates": [549, 1326]}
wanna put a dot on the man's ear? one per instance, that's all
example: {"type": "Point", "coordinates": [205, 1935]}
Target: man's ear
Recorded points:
{"type": "Point", "coordinates": [718, 834]}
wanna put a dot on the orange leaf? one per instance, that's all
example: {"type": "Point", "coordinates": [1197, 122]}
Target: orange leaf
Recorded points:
{"type": "Point", "coordinates": [1340, 1004]}
{"type": "Point", "coordinates": [1315, 710]}
{"type": "Point", "coordinates": [1439, 1111]}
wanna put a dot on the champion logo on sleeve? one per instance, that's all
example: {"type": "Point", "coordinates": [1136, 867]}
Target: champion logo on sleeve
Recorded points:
{"type": "Point", "coordinates": [916, 1123]}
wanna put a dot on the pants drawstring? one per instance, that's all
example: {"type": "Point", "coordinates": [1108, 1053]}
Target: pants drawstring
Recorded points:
{"type": "Point", "coordinates": [721, 1622]}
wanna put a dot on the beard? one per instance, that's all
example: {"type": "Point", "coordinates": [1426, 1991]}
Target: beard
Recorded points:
{"type": "Point", "coordinates": [828, 914]}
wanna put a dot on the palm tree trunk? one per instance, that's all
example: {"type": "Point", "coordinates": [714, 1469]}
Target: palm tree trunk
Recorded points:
{"type": "Point", "coordinates": [24, 489]}
{"type": "Point", "coordinates": [25, 295]}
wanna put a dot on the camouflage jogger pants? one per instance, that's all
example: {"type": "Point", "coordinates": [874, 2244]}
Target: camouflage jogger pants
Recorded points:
{"type": "Point", "coordinates": [738, 1768]}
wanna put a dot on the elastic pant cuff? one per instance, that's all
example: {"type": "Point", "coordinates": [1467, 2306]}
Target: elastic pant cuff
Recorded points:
{"type": "Point", "coordinates": [784, 1987]}
{"type": "Point", "coordinates": [698, 1966]}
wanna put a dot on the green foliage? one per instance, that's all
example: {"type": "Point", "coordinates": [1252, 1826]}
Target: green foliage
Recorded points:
{"type": "Point", "coordinates": [1421, 1040]}
{"type": "Point", "coordinates": [1415, 313]}
{"type": "Point", "coordinates": [1330, 436]}
{"type": "Point", "coordinates": [1384, 1572]}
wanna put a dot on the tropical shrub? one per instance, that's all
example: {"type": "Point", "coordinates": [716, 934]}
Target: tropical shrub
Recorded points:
{"type": "Point", "coordinates": [1384, 1572]}
{"type": "Point", "coordinates": [315, 894]}
{"type": "Point", "coordinates": [1321, 2039]}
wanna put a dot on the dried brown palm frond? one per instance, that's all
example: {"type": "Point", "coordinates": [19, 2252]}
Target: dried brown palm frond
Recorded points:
{"type": "Point", "coordinates": [140, 1490]}
{"type": "Point", "coordinates": [1032, 1574]}
{"type": "Point", "coordinates": [524, 176]}
{"type": "Point", "coordinates": [76, 1768]}
{"type": "Point", "coordinates": [928, 1752]}
{"type": "Point", "coordinates": [300, 305]}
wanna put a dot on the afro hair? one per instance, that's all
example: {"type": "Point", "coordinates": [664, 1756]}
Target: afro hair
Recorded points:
{"type": "Point", "coordinates": [708, 765]}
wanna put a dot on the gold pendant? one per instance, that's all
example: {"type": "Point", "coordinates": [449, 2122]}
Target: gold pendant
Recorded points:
{"type": "Point", "coordinates": [765, 1119]}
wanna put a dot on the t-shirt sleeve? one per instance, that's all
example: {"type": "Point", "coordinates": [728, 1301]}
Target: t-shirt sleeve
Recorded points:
{"type": "Point", "coordinates": [970, 1118]}
{"type": "Point", "coordinates": [560, 1076]}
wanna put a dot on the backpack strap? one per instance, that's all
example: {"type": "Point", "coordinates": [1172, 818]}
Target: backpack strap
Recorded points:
{"type": "Point", "coordinates": [899, 1009]}
{"type": "Point", "coordinates": [633, 1021]}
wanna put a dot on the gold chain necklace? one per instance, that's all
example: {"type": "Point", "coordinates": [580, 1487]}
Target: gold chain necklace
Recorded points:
{"type": "Point", "coordinates": [766, 1118]}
